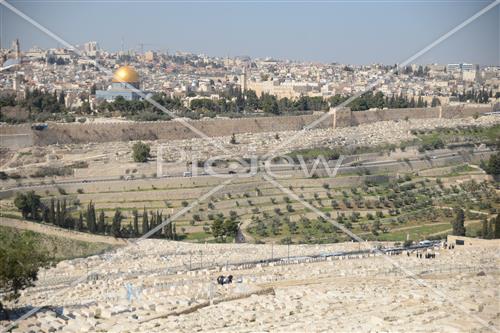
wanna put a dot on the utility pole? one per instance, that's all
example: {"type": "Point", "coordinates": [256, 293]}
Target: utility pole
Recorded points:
{"type": "Point", "coordinates": [190, 255]}
{"type": "Point", "coordinates": [159, 162]}
{"type": "Point", "coordinates": [272, 251]}
{"type": "Point", "coordinates": [288, 251]}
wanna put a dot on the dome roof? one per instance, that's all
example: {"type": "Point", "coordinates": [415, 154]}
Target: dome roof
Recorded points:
{"type": "Point", "coordinates": [126, 74]}
{"type": "Point", "coordinates": [10, 62]}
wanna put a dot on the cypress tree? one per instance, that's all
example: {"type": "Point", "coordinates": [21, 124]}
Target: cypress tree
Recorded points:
{"type": "Point", "coordinates": [136, 222]}
{"type": "Point", "coordinates": [458, 223]}
{"type": "Point", "coordinates": [101, 226]}
{"type": "Point", "coordinates": [79, 223]}
{"type": "Point", "coordinates": [158, 222]}
{"type": "Point", "coordinates": [497, 227]}
{"type": "Point", "coordinates": [45, 214]}
{"type": "Point", "coordinates": [52, 213]}
{"type": "Point", "coordinates": [484, 227]}
{"type": "Point", "coordinates": [94, 219]}
{"type": "Point", "coordinates": [116, 226]}
{"type": "Point", "coordinates": [88, 217]}
{"type": "Point", "coordinates": [491, 230]}
{"type": "Point", "coordinates": [58, 214]}
{"type": "Point", "coordinates": [64, 223]}
{"type": "Point", "coordinates": [145, 223]}
{"type": "Point", "coordinates": [91, 219]}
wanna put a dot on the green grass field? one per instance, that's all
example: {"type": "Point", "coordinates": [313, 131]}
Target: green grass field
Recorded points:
{"type": "Point", "coordinates": [59, 247]}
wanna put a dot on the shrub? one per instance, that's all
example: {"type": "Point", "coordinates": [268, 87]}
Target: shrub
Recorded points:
{"type": "Point", "coordinates": [140, 152]}
{"type": "Point", "coordinates": [407, 243]}
{"type": "Point", "coordinates": [20, 258]}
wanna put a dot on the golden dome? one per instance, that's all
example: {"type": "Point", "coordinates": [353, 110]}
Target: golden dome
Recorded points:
{"type": "Point", "coordinates": [126, 74]}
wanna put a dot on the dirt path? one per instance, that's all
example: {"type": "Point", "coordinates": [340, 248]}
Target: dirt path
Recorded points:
{"type": "Point", "coordinates": [470, 210]}
{"type": "Point", "coordinates": [59, 232]}
{"type": "Point", "coordinates": [408, 228]}
{"type": "Point", "coordinates": [466, 223]}
{"type": "Point", "coordinates": [243, 226]}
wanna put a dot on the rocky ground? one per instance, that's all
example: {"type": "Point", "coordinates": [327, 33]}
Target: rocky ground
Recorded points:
{"type": "Point", "coordinates": [248, 144]}
{"type": "Point", "coordinates": [454, 292]}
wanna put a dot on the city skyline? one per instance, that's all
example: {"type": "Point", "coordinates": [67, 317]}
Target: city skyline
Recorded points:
{"type": "Point", "coordinates": [262, 30]}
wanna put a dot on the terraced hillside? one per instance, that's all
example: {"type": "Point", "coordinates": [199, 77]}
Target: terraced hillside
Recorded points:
{"type": "Point", "coordinates": [372, 206]}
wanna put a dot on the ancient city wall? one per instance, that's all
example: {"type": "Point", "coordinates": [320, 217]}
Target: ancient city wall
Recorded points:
{"type": "Point", "coordinates": [17, 136]}
{"type": "Point", "coordinates": [363, 117]}
{"type": "Point", "coordinates": [462, 111]}
{"type": "Point", "coordinates": [169, 130]}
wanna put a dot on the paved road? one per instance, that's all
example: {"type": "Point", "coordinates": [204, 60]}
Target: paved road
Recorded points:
{"type": "Point", "coordinates": [277, 169]}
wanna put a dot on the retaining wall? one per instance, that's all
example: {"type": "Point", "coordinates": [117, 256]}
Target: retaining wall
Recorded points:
{"type": "Point", "coordinates": [10, 135]}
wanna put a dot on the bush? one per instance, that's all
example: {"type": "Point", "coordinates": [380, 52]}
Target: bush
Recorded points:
{"type": "Point", "coordinates": [493, 165]}
{"type": "Point", "coordinates": [29, 204]}
{"type": "Point", "coordinates": [79, 165]}
{"type": "Point", "coordinates": [49, 171]}
{"type": "Point", "coordinates": [286, 240]}
{"type": "Point", "coordinates": [20, 259]}
{"type": "Point", "coordinates": [141, 152]}
{"type": "Point", "coordinates": [407, 243]}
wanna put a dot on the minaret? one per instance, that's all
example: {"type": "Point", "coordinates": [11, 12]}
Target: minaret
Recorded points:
{"type": "Point", "coordinates": [244, 80]}
{"type": "Point", "coordinates": [17, 49]}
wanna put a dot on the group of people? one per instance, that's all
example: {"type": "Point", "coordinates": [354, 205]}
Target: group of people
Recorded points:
{"type": "Point", "coordinates": [222, 280]}
{"type": "Point", "coordinates": [448, 246]}
{"type": "Point", "coordinates": [427, 255]}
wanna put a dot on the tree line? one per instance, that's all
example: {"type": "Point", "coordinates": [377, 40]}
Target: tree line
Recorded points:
{"type": "Point", "coordinates": [489, 229]}
{"type": "Point", "coordinates": [56, 212]}
{"type": "Point", "coordinates": [232, 102]}
{"type": "Point", "coordinates": [481, 96]}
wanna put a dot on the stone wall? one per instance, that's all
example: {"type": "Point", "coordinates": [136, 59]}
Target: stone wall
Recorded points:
{"type": "Point", "coordinates": [16, 136]}
{"type": "Point", "coordinates": [13, 136]}
{"type": "Point", "coordinates": [363, 117]}
{"type": "Point", "coordinates": [469, 241]}
{"type": "Point", "coordinates": [170, 130]}
{"type": "Point", "coordinates": [462, 111]}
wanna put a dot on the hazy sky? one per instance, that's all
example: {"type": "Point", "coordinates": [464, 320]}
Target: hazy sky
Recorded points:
{"type": "Point", "coordinates": [354, 32]}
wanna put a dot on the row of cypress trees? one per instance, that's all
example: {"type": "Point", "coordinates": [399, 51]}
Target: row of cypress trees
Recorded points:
{"type": "Point", "coordinates": [57, 214]}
